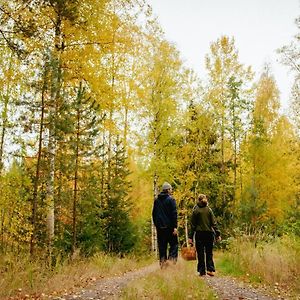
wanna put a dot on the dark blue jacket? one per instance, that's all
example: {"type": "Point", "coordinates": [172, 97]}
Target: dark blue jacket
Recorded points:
{"type": "Point", "coordinates": [164, 211]}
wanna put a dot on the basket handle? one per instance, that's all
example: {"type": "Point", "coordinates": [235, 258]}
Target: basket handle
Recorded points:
{"type": "Point", "coordinates": [185, 244]}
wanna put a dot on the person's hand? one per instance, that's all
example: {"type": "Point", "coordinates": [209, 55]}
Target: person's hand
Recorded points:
{"type": "Point", "coordinates": [218, 239]}
{"type": "Point", "coordinates": [175, 231]}
{"type": "Point", "coordinates": [191, 241]}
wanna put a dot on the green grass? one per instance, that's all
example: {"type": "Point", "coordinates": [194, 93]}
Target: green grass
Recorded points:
{"type": "Point", "coordinates": [225, 265]}
{"type": "Point", "coordinates": [174, 283]}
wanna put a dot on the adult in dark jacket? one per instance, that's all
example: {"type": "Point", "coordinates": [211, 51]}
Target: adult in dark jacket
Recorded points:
{"type": "Point", "coordinates": [204, 228]}
{"type": "Point", "coordinates": [164, 216]}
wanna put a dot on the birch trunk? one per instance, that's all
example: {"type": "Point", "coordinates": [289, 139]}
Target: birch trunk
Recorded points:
{"type": "Point", "coordinates": [55, 97]}
{"type": "Point", "coordinates": [153, 229]}
{"type": "Point", "coordinates": [3, 134]}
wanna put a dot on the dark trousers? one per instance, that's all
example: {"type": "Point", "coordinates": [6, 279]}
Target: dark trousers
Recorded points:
{"type": "Point", "coordinates": [204, 247]}
{"type": "Point", "coordinates": [166, 237]}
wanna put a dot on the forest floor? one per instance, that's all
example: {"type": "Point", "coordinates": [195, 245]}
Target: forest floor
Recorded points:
{"type": "Point", "coordinates": [224, 287]}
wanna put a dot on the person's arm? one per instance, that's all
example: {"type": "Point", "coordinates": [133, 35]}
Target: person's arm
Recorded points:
{"type": "Point", "coordinates": [214, 225]}
{"type": "Point", "coordinates": [192, 227]}
{"type": "Point", "coordinates": [174, 213]}
{"type": "Point", "coordinates": [154, 213]}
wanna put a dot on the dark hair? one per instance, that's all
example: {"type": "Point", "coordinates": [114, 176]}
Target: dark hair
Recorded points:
{"type": "Point", "coordinates": [202, 199]}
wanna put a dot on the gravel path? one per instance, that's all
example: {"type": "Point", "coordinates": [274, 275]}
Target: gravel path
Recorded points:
{"type": "Point", "coordinates": [226, 288]}
{"type": "Point", "coordinates": [229, 288]}
{"type": "Point", "coordinates": [108, 288]}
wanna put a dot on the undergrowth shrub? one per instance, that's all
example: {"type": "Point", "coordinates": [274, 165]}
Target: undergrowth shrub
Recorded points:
{"type": "Point", "coordinates": [276, 261]}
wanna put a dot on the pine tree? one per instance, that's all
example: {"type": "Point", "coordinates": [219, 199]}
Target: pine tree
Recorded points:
{"type": "Point", "coordinates": [118, 229]}
{"type": "Point", "coordinates": [86, 126]}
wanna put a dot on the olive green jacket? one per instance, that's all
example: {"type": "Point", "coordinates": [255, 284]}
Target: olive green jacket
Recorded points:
{"type": "Point", "coordinates": [203, 219]}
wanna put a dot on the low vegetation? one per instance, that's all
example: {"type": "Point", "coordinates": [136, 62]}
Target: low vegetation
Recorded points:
{"type": "Point", "coordinates": [34, 277]}
{"type": "Point", "coordinates": [175, 282]}
{"type": "Point", "coordinates": [98, 109]}
{"type": "Point", "coordinates": [275, 263]}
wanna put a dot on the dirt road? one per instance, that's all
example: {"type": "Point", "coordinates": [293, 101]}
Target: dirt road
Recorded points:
{"type": "Point", "coordinates": [225, 288]}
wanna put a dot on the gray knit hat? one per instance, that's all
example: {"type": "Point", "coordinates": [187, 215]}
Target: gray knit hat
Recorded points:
{"type": "Point", "coordinates": [166, 186]}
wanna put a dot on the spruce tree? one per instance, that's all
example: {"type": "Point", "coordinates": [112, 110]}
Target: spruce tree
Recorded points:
{"type": "Point", "coordinates": [118, 229]}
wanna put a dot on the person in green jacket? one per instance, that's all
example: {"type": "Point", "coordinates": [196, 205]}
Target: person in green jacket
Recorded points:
{"type": "Point", "coordinates": [204, 228]}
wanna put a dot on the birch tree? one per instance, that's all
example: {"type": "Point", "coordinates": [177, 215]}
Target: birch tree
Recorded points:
{"type": "Point", "coordinates": [223, 65]}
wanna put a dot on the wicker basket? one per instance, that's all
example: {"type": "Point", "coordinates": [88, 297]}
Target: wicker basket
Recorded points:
{"type": "Point", "coordinates": [188, 252]}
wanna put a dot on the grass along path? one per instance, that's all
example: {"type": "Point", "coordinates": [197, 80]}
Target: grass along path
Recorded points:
{"type": "Point", "coordinates": [182, 282]}
{"type": "Point", "coordinates": [25, 279]}
{"type": "Point", "coordinates": [230, 269]}
{"type": "Point", "coordinates": [176, 282]}
{"type": "Point", "coordinates": [173, 283]}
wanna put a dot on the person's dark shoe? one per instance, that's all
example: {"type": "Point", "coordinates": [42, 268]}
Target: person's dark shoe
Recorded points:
{"type": "Point", "coordinates": [173, 260]}
{"type": "Point", "coordinates": [202, 274]}
{"type": "Point", "coordinates": [164, 264]}
{"type": "Point", "coordinates": [210, 273]}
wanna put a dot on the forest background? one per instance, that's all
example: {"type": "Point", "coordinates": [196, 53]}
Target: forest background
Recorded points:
{"type": "Point", "coordinates": [98, 110]}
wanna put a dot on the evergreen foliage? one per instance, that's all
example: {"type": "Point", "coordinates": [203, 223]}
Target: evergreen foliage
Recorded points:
{"type": "Point", "coordinates": [98, 110]}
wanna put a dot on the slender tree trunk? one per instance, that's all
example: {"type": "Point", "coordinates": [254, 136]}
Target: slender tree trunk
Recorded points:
{"type": "Point", "coordinates": [126, 111]}
{"type": "Point", "coordinates": [50, 194]}
{"type": "Point", "coordinates": [55, 97]}
{"type": "Point", "coordinates": [102, 195]}
{"type": "Point", "coordinates": [5, 118]}
{"type": "Point", "coordinates": [3, 133]}
{"type": "Point", "coordinates": [223, 159]}
{"type": "Point", "coordinates": [153, 229]}
{"type": "Point", "coordinates": [155, 192]}
{"type": "Point", "coordinates": [241, 175]}
{"type": "Point", "coordinates": [37, 170]}
{"type": "Point", "coordinates": [2, 230]}
{"type": "Point", "coordinates": [109, 150]}
{"type": "Point", "coordinates": [235, 156]}
{"type": "Point", "coordinates": [125, 127]}
{"type": "Point", "coordinates": [75, 191]}
{"type": "Point", "coordinates": [58, 212]}
{"type": "Point", "coordinates": [197, 170]}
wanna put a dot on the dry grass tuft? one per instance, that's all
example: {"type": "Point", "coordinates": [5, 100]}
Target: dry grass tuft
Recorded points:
{"type": "Point", "coordinates": [275, 263]}
{"type": "Point", "coordinates": [19, 276]}
{"type": "Point", "coordinates": [178, 281]}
